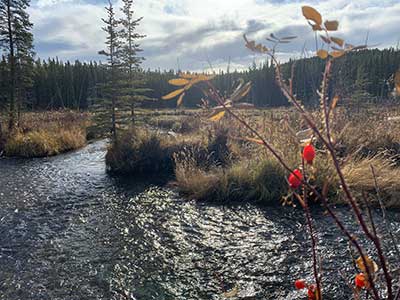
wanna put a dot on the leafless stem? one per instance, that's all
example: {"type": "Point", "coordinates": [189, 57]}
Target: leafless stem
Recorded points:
{"type": "Point", "coordinates": [215, 95]}
{"type": "Point", "coordinates": [328, 143]}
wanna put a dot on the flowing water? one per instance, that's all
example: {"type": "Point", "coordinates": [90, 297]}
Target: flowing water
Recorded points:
{"type": "Point", "coordinates": [70, 231]}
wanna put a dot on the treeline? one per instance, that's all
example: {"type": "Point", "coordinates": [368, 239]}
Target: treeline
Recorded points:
{"type": "Point", "coordinates": [55, 84]}
{"type": "Point", "coordinates": [366, 74]}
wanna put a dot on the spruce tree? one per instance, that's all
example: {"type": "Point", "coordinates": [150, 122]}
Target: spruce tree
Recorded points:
{"type": "Point", "coordinates": [107, 93]}
{"type": "Point", "coordinates": [132, 85]}
{"type": "Point", "coordinates": [17, 41]}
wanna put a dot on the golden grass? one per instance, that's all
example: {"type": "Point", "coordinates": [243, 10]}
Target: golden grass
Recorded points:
{"type": "Point", "coordinates": [39, 143]}
{"type": "Point", "coordinates": [46, 134]}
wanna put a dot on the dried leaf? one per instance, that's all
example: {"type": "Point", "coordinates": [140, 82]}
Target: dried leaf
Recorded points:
{"type": "Point", "coordinates": [312, 14]}
{"type": "Point", "coordinates": [261, 48]}
{"type": "Point", "coordinates": [323, 54]}
{"type": "Point", "coordinates": [372, 266]}
{"type": "Point", "coordinates": [178, 81]}
{"type": "Point", "coordinates": [325, 39]}
{"type": "Point", "coordinates": [180, 100]}
{"type": "Point", "coordinates": [274, 37]}
{"type": "Point", "coordinates": [217, 116]}
{"type": "Point", "coordinates": [173, 94]}
{"type": "Point", "coordinates": [338, 41]}
{"type": "Point", "coordinates": [331, 25]}
{"type": "Point", "coordinates": [334, 103]}
{"type": "Point", "coordinates": [337, 54]}
{"type": "Point", "coordinates": [232, 293]}
{"type": "Point", "coordinates": [289, 37]}
{"type": "Point", "coordinates": [241, 92]}
{"type": "Point", "coordinates": [253, 140]}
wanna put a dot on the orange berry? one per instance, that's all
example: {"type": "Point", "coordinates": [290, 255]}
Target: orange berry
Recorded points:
{"type": "Point", "coordinates": [295, 179]}
{"type": "Point", "coordinates": [300, 284]}
{"type": "Point", "coordinates": [309, 154]}
{"type": "Point", "coordinates": [360, 280]}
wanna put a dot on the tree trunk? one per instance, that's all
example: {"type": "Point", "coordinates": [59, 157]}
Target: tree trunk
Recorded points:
{"type": "Point", "coordinates": [11, 121]}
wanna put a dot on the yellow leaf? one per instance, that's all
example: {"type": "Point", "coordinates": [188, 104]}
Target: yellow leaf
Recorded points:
{"type": "Point", "coordinates": [331, 25]}
{"type": "Point", "coordinates": [197, 79]}
{"type": "Point", "coordinates": [312, 14]}
{"type": "Point", "coordinates": [338, 41]}
{"type": "Point", "coordinates": [203, 77]}
{"type": "Point", "coordinates": [372, 266]}
{"type": "Point", "coordinates": [178, 81]}
{"type": "Point", "coordinates": [180, 99]}
{"type": "Point", "coordinates": [337, 54]}
{"type": "Point", "coordinates": [218, 116]}
{"type": "Point", "coordinates": [173, 94]}
{"type": "Point", "coordinates": [323, 54]}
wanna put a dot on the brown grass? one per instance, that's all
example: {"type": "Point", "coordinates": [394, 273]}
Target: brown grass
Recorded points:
{"type": "Point", "coordinates": [249, 174]}
{"type": "Point", "coordinates": [46, 134]}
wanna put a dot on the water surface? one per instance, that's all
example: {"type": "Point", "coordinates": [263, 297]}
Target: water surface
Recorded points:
{"type": "Point", "coordinates": [70, 231]}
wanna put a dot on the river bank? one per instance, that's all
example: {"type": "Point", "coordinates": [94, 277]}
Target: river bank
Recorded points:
{"type": "Point", "coordinates": [41, 134]}
{"type": "Point", "coordinates": [74, 232]}
{"type": "Point", "coordinates": [219, 162]}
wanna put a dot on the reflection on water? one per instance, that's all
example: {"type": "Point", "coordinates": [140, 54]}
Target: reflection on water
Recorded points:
{"type": "Point", "coordinates": [69, 231]}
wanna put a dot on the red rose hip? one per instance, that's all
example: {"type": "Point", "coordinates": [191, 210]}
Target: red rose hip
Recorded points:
{"type": "Point", "coordinates": [295, 179]}
{"type": "Point", "coordinates": [309, 154]}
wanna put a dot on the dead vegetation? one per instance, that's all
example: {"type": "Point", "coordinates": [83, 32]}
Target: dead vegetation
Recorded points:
{"type": "Point", "coordinates": [46, 134]}
{"type": "Point", "coordinates": [211, 162]}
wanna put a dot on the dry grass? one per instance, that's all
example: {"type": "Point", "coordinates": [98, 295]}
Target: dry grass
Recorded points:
{"type": "Point", "coordinates": [360, 178]}
{"type": "Point", "coordinates": [46, 134]}
{"type": "Point", "coordinates": [211, 162]}
{"type": "Point", "coordinates": [143, 152]}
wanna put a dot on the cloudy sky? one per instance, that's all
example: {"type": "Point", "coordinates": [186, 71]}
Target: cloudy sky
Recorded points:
{"type": "Point", "coordinates": [193, 34]}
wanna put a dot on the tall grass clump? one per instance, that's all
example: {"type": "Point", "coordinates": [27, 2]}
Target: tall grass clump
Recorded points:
{"type": "Point", "coordinates": [40, 143]}
{"type": "Point", "coordinates": [143, 151]}
{"type": "Point", "coordinates": [138, 152]}
{"type": "Point", "coordinates": [246, 180]}
{"type": "Point", "coordinates": [46, 134]}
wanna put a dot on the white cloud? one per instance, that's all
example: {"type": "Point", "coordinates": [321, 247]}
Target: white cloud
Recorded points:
{"type": "Point", "coordinates": [194, 31]}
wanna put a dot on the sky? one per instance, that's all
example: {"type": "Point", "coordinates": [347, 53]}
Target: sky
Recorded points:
{"type": "Point", "coordinates": [198, 35]}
